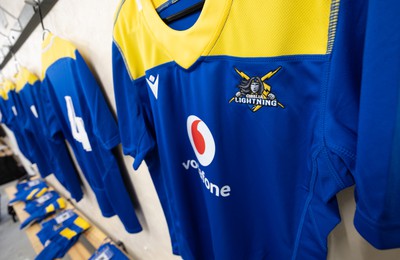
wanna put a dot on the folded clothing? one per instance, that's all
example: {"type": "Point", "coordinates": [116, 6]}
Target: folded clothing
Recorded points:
{"type": "Point", "coordinates": [29, 191]}
{"type": "Point", "coordinates": [44, 212]}
{"type": "Point", "coordinates": [43, 201]}
{"type": "Point", "coordinates": [59, 234]}
{"type": "Point", "coordinates": [108, 252]}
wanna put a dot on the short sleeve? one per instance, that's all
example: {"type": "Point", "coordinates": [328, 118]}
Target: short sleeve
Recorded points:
{"type": "Point", "coordinates": [378, 152]}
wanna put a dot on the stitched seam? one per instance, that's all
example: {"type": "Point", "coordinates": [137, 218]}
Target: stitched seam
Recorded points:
{"type": "Point", "coordinates": [342, 151]}
{"type": "Point", "coordinates": [307, 204]}
{"type": "Point", "coordinates": [333, 172]}
{"type": "Point", "coordinates": [320, 239]}
{"type": "Point", "coordinates": [333, 19]}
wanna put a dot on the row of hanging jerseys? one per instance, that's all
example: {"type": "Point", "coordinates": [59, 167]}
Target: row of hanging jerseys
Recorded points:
{"type": "Point", "coordinates": [67, 104]}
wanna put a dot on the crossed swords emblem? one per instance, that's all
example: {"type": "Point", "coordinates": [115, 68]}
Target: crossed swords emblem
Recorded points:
{"type": "Point", "coordinates": [267, 87]}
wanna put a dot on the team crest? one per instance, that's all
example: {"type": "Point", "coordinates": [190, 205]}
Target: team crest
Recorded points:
{"type": "Point", "coordinates": [255, 91]}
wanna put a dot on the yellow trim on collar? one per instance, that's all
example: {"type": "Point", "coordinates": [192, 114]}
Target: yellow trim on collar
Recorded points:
{"type": "Point", "coordinates": [23, 77]}
{"type": "Point", "coordinates": [146, 41]}
{"type": "Point", "coordinates": [53, 49]}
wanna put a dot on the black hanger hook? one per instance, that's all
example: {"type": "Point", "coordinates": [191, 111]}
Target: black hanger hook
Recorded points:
{"type": "Point", "coordinates": [39, 9]}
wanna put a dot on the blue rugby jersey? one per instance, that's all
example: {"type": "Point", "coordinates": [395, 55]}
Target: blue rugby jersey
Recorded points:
{"type": "Point", "coordinates": [14, 119]}
{"type": "Point", "coordinates": [55, 151]}
{"type": "Point", "coordinates": [75, 109]}
{"type": "Point", "coordinates": [253, 118]}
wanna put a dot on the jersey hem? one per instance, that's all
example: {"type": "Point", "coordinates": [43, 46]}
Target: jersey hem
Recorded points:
{"type": "Point", "coordinates": [379, 236]}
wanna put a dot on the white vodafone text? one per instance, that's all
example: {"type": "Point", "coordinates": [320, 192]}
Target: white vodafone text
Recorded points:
{"type": "Point", "coordinates": [224, 191]}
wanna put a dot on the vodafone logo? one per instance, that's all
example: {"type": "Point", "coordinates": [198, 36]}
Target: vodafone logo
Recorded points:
{"type": "Point", "coordinates": [201, 139]}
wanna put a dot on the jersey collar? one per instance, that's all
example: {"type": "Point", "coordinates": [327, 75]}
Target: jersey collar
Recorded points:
{"type": "Point", "coordinates": [187, 46]}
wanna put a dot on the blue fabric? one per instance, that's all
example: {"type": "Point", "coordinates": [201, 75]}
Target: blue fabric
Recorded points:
{"type": "Point", "coordinates": [51, 228]}
{"type": "Point", "coordinates": [378, 157]}
{"type": "Point", "coordinates": [34, 205]}
{"type": "Point", "coordinates": [70, 79]}
{"type": "Point", "coordinates": [56, 246]}
{"type": "Point", "coordinates": [184, 22]}
{"type": "Point", "coordinates": [111, 251]}
{"type": "Point", "coordinates": [27, 184]}
{"type": "Point", "coordinates": [55, 151]}
{"type": "Point", "coordinates": [133, 109]}
{"type": "Point", "coordinates": [14, 121]}
{"type": "Point", "coordinates": [36, 149]}
{"type": "Point", "coordinates": [268, 190]}
{"type": "Point", "coordinates": [22, 194]}
{"type": "Point", "coordinates": [41, 213]}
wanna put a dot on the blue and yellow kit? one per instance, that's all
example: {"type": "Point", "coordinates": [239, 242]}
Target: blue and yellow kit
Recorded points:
{"type": "Point", "coordinates": [32, 205]}
{"type": "Point", "coordinates": [59, 234]}
{"type": "Point", "coordinates": [44, 210]}
{"type": "Point", "coordinates": [29, 191]}
{"type": "Point", "coordinates": [14, 118]}
{"type": "Point", "coordinates": [253, 115]}
{"type": "Point", "coordinates": [52, 151]}
{"type": "Point", "coordinates": [75, 110]}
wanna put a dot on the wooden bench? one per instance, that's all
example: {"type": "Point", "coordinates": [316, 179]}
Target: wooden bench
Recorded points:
{"type": "Point", "coordinates": [79, 251]}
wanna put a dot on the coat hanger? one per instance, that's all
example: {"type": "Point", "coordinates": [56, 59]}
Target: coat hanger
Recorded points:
{"type": "Point", "coordinates": [185, 12]}
{"type": "Point", "coordinates": [16, 62]}
{"type": "Point", "coordinates": [39, 10]}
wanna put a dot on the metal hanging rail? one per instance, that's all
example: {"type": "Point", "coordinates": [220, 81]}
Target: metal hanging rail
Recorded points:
{"type": "Point", "coordinates": [45, 7]}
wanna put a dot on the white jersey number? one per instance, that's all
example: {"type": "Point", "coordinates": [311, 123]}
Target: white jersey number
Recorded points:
{"type": "Point", "coordinates": [77, 126]}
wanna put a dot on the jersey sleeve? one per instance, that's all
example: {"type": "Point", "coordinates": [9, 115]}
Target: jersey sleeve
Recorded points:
{"type": "Point", "coordinates": [49, 118]}
{"type": "Point", "coordinates": [104, 124]}
{"type": "Point", "coordinates": [133, 109]}
{"type": "Point", "coordinates": [378, 153]}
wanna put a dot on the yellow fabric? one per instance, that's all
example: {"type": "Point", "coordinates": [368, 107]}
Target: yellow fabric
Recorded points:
{"type": "Point", "coordinates": [61, 203]}
{"type": "Point", "coordinates": [6, 86]}
{"type": "Point", "coordinates": [41, 192]}
{"type": "Point", "coordinates": [286, 27]}
{"type": "Point", "coordinates": [50, 208]}
{"type": "Point", "coordinates": [30, 195]}
{"type": "Point", "coordinates": [80, 222]}
{"type": "Point", "coordinates": [158, 3]}
{"type": "Point", "coordinates": [278, 28]}
{"type": "Point", "coordinates": [146, 48]}
{"type": "Point", "coordinates": [54, 48]}
{"type": "Point", "coordinates": [23, 77]}
{"type": "Point", "coordinates": [68, 233]}
{"type": "Point", "coordinates": [2, 93]}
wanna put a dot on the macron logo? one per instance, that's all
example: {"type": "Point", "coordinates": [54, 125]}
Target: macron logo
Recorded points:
{"type": "Point", "coordinates": [153, 84]}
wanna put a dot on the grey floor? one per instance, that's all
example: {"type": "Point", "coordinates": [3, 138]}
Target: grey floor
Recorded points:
{"type": "Point", "coordinates": [14, 244]}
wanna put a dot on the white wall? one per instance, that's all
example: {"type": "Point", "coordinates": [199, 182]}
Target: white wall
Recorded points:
{"type": "Point", "coordinates": [88, 24]}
